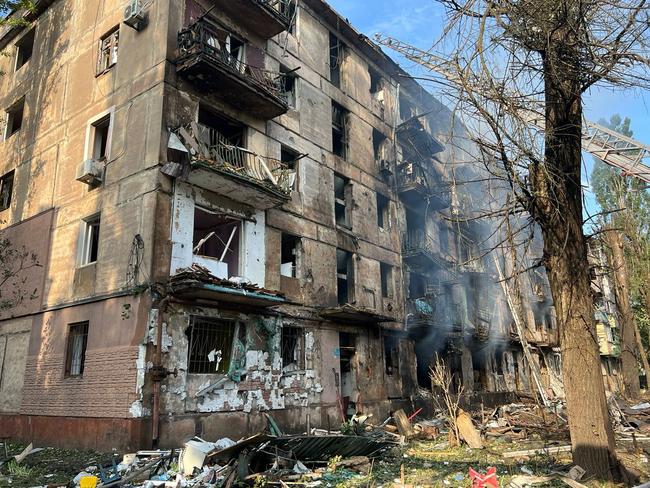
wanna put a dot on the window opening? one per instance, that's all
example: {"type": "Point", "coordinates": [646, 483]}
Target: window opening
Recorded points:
{"type": "Point", "coordinates": [383, 211]}
{"type": "Point", "coordinates": [108, 46]}
{"type": "Point", "coordinates": [378, 140]}
{"type": "Point", "coordinates": [344, 276]}
{"type": "Point", "coordinates": [217, 236]}
{"type": "Point", "coordinates": [288, 80]}
{"type": "Point", "coordinates": [417, 285]}
{"type": "Point", "coordinates": [210, 345]}
{"type": "Point", "coordinates": [6, 189]}
{"type": "Point", "coordinates": [391, 355]}
{"type": "Point", "coordinates": [292, 348]}
{"type": "Point", "coordinates": [100, 132]}
{"type": "Point", "coordinates": [217, 125]}
{"type": "Point", "coordinates": [337, 55]}
{"type": "Point", "coordinates": [342, 200]}
{"type": "Point", "coordinates": [24, 49]}
{"type": "Point", "coordinates": [376, 81]}
{"type": "Point", "coordinates": [289, 256]}
{"type": "Point", "coordinates": [386, 271]}
{"type": "Point", "coordinates": [90, 241]}
{"type": "Point", "coordinates": [15, 118]}
{"type": "Point", "coordinates": [339, 130]}
{"type": "Point", "coordinates": [76, 351]}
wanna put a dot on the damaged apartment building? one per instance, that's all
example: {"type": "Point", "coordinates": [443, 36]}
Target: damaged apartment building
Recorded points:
{"type": "Point", "coordinates": [234, 208]}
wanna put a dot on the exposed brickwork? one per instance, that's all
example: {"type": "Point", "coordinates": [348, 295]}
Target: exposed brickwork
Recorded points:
{"type": "Point", "coordinates": [106, 389]}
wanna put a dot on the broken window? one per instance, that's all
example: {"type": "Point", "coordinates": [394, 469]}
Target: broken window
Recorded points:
{"type": "Point", "coordinates": [6, 189]}
{"type": "Point", "coordinates": [75, 356]}
{"type": "Point", "coordinates": [339, 130]}
{"type": "Point", "coordinates": [99, 135]}
{"type": "Point", "coordinates": [220, 128]}
{"type": "Point", "coordinates": [417, 285]}
{"type": "Point", "coordinates": [342, 200]}
{"type": "Point", "coordinates": [386, 271]}
{"type": "Point", "coordinates": [383, 211]}
{"type": "Point", "coordinates": [89, 242]}
{"type": "Point", "coordinates": [289, 158]}
{"type": "Point", "coordinates": [291, 348]}
{"type": "Point", "coordinates": [217, 236]}
{"type": "Point", "coordinates": [210, 345]}
{"type": "Point", "coordinates": [288, 81]}
{"type": "Point", "coordinates": [347, 350]}
{"type": "Point", "coordinates": [337, 56]}
{"type": "Point", "coordinates": [376, 81]}
{"type": "Point", "coordinates": [289, 256]}
{"type": "Point", "coordinates": [378, 140]}
{"type": "Point", "coordinates": [391, 355]}
{"type": "Point", "coordinates": [15, 118]}
{"type": "Point", "coordinates": [344, 276]}
{"type": "Point", "coordinates": [24, 49]}
{"type": "Point", "coordinates": [107, 56]}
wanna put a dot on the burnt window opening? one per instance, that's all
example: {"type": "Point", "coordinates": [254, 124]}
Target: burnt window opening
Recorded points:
{"type": "Point", "coordinates": [288, 83]}
{"type": "Point", "coordinates": [292, 347]}
{"type": "Point", "coordinates": [383, 211]}
{"type": "Point", "coordinates": [378, 145]}
{"type": "Point", "coordinates": [75, 357]}
{"type": "Point", "coordinates": [376, 81]}
{"type": "Point", "coordinates": [219, 126]}
{"type": "Point", "coordinates": [89, 240]}
{"type": "Point", "coordinates": [6, 190]}
{"type": "Point", "coordinates": [100, 131]}
{"type": "Point", "coordinates": [290, 247]}
{"type": "Point", "coordinates": [391, 355]}
{"type": "Point", "coordinates": [342, 200]}
{"type": "Point", "coordinates": [289, 158]}
{"type": "Point", "coordinates": [337, 56]}
{"type": "Point", "coordinates": [347, 350]}
{"type": "Point", "coordinates": [386, 271]}
{"type": "Point", "coordinates": [498, 362]}
{"type": "Point", "coordinates": [24, 49]}
{"type": "Point", "coordinates": [344, 277]}
{"type": "Point", "coordinates": [339, 130]}
{"type": "Point", "coordinates": [217, 236]}
{"type": "Point", "coordinates": [15, 118]}
{"type": "Point", "coordinates": [108, 47]}
{"type": "Point", "coordinates": [417, 285]}
{"type": "Point", "coordinates": [210, 345]}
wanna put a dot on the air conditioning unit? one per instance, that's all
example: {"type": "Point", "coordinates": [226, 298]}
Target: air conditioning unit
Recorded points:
{"type": "Point", "coordinates": [90, 172]}
{"type": "Point", "coordinates": [134, 15]}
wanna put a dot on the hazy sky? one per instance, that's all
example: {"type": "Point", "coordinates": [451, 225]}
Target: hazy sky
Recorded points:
{"type": "Point", "coordinates": [419, 22]}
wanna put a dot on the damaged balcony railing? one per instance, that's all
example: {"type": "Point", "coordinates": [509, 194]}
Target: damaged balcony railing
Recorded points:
{"type": "Point", "coordinates": [206, 144]}
{"type": "Point", "coordinates": [414, 178]}
{"type": "Point", "coordinates": [202, 38]}
{"type": "Point", "coordinates": [284, 9]}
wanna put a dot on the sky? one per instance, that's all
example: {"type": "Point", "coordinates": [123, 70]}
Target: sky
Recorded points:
{"type": "Point", "coordinates": [420, 23]}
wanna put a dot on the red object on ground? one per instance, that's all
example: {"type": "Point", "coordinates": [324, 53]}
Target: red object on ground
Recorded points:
{"type": "Point", "coordinates": [488, 479]}
{"type": "Point", "coordinates": [415, 413]}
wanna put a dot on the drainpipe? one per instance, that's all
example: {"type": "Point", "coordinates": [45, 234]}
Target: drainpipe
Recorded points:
{"type": "Point", "coordinates": [158, 371]}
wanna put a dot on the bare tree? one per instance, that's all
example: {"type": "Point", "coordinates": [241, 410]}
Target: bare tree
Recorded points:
{"type": "Point", "coordinates": [442, 382]}
{"type": "Point", "coordinates": [519, 70]}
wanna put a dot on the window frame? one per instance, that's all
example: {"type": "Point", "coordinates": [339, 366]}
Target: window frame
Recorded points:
{"type": "Point", "coordinates": [235, 332]}
{"type": "Point", "coordinates": [10, 175]}
{"type": "Point", "coordinates": [383, 211]}
{"type": "Point", "coordinates": [91, 134]}
{"type": "Point", "coordinates": [296, 256]}
{"type": "Point", "coordinates": [299, 345]}
{"type": "Point", "coordinates": [345, 203]}
{"type": "Point", "coordinates": [87, 235]}
{"type": "Point", "coordinates": [348, 277]}
{"type": "Point", "coordinates": [85, 325]}
{"type": "Point", "coordinates": [10, 113]}
{"type": "Point", "coordinates": [109, 43]}
{"type": "Point", "coordinates": [19, 61]}
{"type": "Point", "coordinates": [386, 280]}
{"type": "Point", "coordinates": [340, 129]}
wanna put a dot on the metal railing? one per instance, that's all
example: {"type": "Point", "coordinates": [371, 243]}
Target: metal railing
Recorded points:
{"type": "Point", "coordinates": [282, 8]}
{"type": "Point", "coordinates": [200, 38]}
{"type": "Point", "coordinates": [213, 146]}
{"type": "Point", "coordinates": [418, 240]}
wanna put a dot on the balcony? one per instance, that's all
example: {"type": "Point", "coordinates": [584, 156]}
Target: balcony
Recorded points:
{"type": "Point", "coordinates": [420, 312]}
{"type": "Point", "coordinates": [204, 59]}
{"type": "Point", "coordinates": [415, 186]}
{"type": "Point", "coordinates": [415, 138]}
{"type": "Point", "coordinates": [419, 250]}
{"type": "Point", "coordinates": [235, 172]}
{"type": "Point", "coordinates": [267, 18]}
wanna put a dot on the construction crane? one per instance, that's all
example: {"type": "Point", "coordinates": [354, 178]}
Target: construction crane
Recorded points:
{"type": "Point", "coordinates": [624, 153]}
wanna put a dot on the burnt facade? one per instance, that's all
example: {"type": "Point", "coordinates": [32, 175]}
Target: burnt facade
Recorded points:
{"type": "Point", "coordinates": [239, 210]}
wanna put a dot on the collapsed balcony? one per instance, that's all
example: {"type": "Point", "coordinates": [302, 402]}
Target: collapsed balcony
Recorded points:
{"type": "Point", "coordinates": [415, 138]}
{"type": "Point", "coordinates": [416, 185]}
{"type": "Point", "coordinates": [213, 59]}
{"type": "Point", "coordinates": [233, 171]}
{"type": "Point", "coordinates": [267, 18]}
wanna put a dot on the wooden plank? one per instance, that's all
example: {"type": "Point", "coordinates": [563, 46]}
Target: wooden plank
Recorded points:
{"type": "Point", "coordinates": [467, 430]}
{"type": "Point", "coordinates": [532, 452]}
{"type": "Point", "coordinates": [403, 424]}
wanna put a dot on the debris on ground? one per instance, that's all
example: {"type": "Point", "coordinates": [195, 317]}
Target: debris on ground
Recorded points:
{"type": "Point", "coordinates": [363, 453]}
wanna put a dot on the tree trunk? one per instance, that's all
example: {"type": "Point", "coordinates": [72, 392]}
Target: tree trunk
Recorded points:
{"type": "Point", "coordinates": [557, 208]}
{"type": "Point", "coordinates": [629, 349]}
